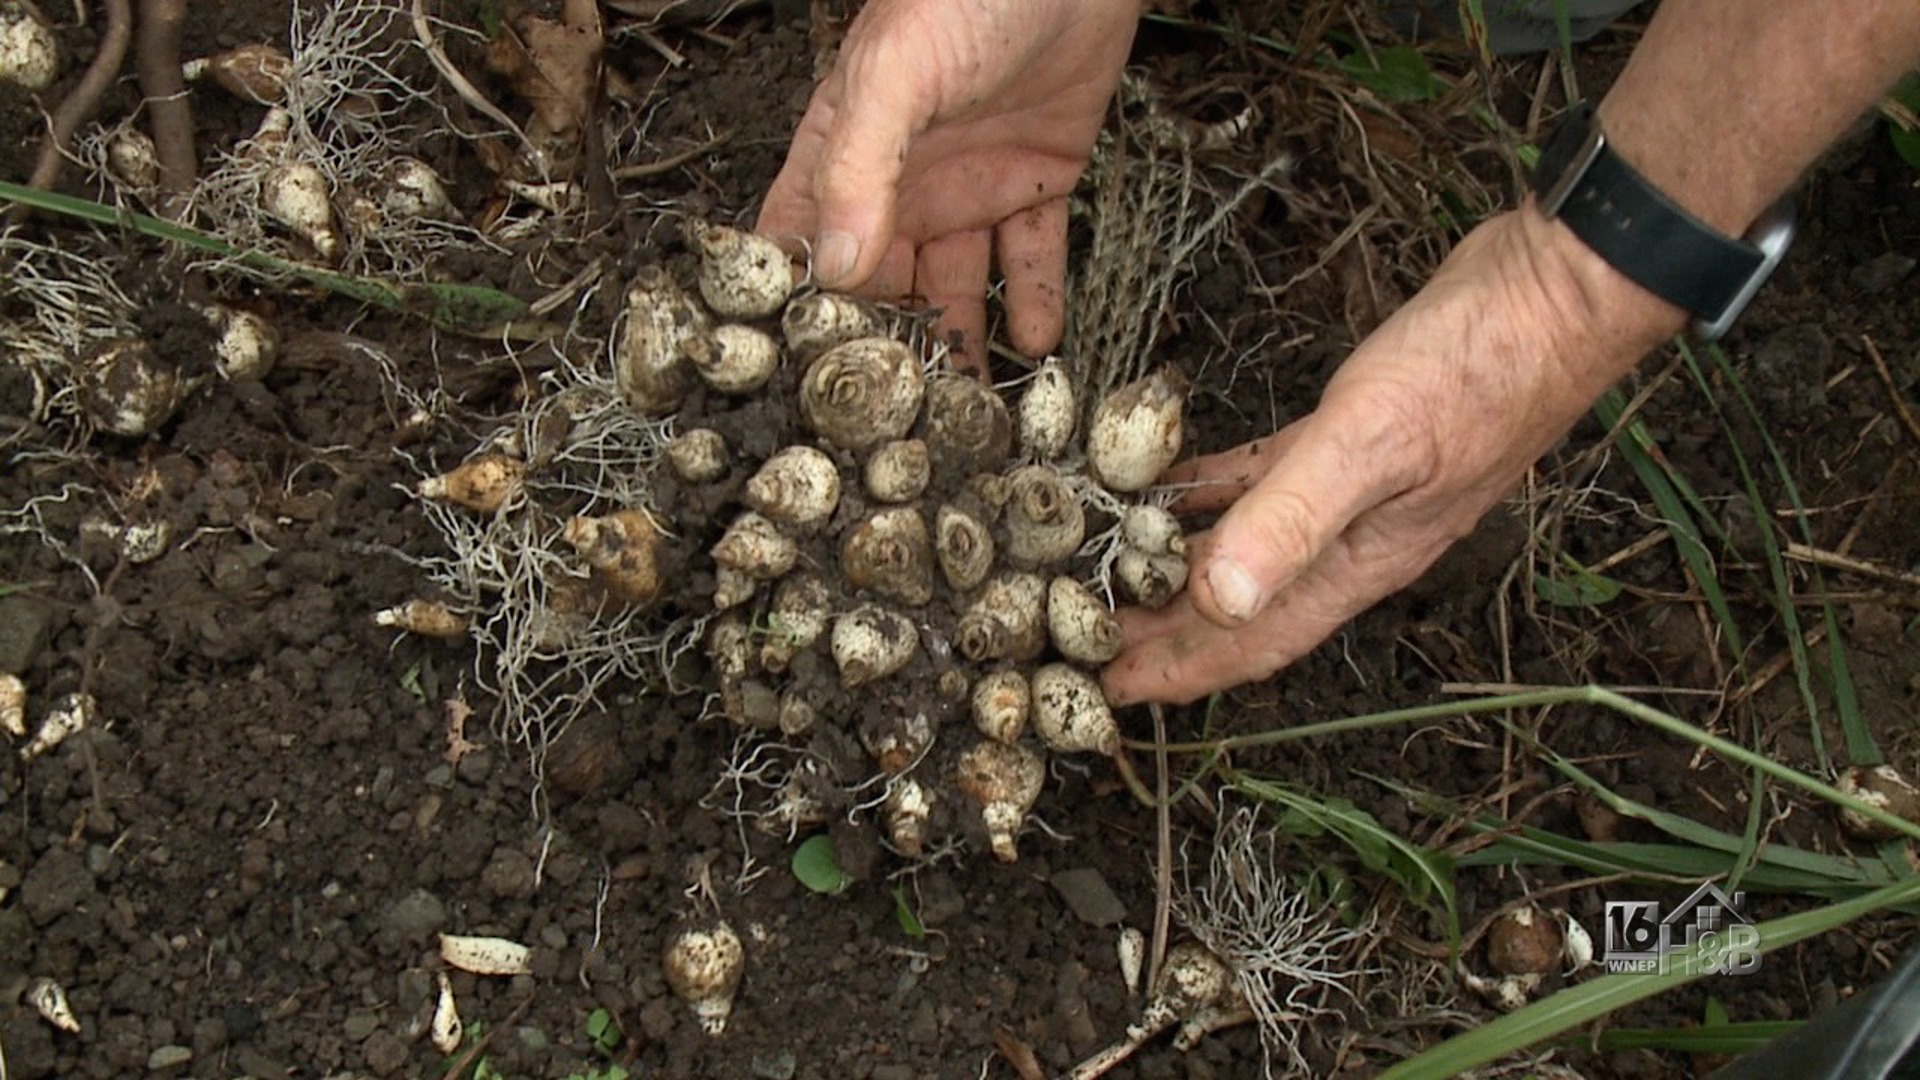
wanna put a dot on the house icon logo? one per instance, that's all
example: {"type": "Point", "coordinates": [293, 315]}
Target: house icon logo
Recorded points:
{"type": "Point", "coordinates": [1708, 933]}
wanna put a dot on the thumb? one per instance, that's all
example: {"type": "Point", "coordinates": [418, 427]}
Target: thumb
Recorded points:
{"type": "Point", "coordinates": [1338, 464]}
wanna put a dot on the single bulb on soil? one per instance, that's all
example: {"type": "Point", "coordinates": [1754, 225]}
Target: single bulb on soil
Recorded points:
{"type": "Point", "coordinates": [800, 485]}
{"type": "Point", "coordinates": [127, 388]}
{"type": "Point", "coordinates": [890, 555]}
{"type": "Point", "coordinates": [409, 190]}
{"type": "Point", "coordinates": [897, 740]}
{"type": "Point", "coordinates": [862, 393]}
{"type": "Point", "coordinates": [1047, 416]}
{"type": "Point", "coordinates": [623, 548]}
{"type": "Point", "coordinates": [734, 359]}
{"type": "Point", "coordinates": [1883, 788]}
{"type": "Point", "coordinates": [818, 321]}
{"type": "Point", "coordinates": [650, 367]}
{"type": "Point", "coordinates": [698, 456]}
{"type": "Point", "coordinates": [1070, 714]}
{"type": "Point", "coordinates": [968, 429]}
{"type": "Point", "coordinates": [49, 999]}
{"type": "Point", "coordinates": [29, 51]}
{"type": "Point", "coordinates": [248, 344]}
{"type": "Point", "coordinates": [482, 484]}
{"type": "Point", "coordinates": [909, 808]}
{"type": "Point", "coordinates": [1081, 626]}
{"type": "Point", "coordinates": [486, 955]}
{"type": "Point", "coordinates": [1004, 779]}
{"type": "Point", "coordinates": [703, 966]}
{"type": "Point", "coordinates": [798, 616]}
{"type": "Point", "coordinates": [964, 545]}
{"type": "Point", "coordinates": [1001, 703]}
{"type": "Point", "coordinates": [427, 618]}
{"type": "Point", "coordinates": [1153, 529]}
{"type": "Point", "coordinates": [132, 159]}
{"type": "Point", "coordinates": [1044, 521]}
{"type": "Point", "coordinates": [1137, 431]}
{"type": "Point", "coordinates": [1525, 941]}
{"type": "Point", "coordinates": [871, 643]}
{"type": "Point", "coordinates": [898, 471]}
{"type": "Point", "coordinates": [13, 705]}
{"type": "Point", "coordinates": [446, 1030]}
{"type": "Point", "coordinates": [296, 195]}
{"type": "Point", "coordinates": [1152, 580]}
{"type": "Point", "coordinates": [253, 72]}
{"type": "Point", "coordinates": [742, 275]}
{"type": "Point", "coordinates": [69, 716]}
{"type": "Point", "coordinates": [1007, 621]}
{"type": "Point", "coordinates": [752, 550]}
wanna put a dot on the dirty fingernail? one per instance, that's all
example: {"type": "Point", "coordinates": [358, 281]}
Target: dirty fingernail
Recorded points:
{"type": "Point", "coordinates": [1234, 590]}
{"type": "Point", "coordinates": [834, 256]}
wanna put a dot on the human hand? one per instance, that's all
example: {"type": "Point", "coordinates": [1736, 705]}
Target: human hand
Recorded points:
{"type": "Point", "coordinates": [1432, 420]}
{"type": "Point", "coordinates": [946, 129]}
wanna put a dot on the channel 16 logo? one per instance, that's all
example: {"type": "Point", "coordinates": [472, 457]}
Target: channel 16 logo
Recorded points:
{"type": "Point", "coordinates": [1641, 938]}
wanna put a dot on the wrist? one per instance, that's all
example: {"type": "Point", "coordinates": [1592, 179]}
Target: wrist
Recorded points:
{"type": "Point", "coordinates": [1597, 302]}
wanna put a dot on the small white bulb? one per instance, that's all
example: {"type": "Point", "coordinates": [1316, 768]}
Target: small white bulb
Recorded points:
{"type": "Point", "coordinates": [486, 955]}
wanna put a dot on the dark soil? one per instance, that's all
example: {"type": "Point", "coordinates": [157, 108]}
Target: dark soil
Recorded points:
{"type": "Point", "coordinates": [247, 858]}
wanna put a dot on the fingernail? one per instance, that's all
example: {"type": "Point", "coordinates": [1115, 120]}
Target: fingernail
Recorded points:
{"type": "Point", "coordinates": [1234, 590]}
{"type": "Point", "coordinates": [834, 256]}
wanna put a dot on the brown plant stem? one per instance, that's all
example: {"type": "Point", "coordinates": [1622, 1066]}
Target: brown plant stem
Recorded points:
{"type": "Point", "coordinates": [80, 103]}
{"type": "Point", "coordinates": [157, 59]}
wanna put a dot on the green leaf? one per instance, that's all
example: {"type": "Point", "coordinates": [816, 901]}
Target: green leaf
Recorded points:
{"type": "Point", "coordinates": [817, 866]}
{"type": "Point", "coordinates": [1725, 1038]}
{"type": "Point", "coordinates": [1578, 588]}
{"type": "Point", "coordinates": [472, 308]}
{"type": "Point", "coordinates": [904, 915]}
{"type": "Point", "coordinates": [1423, 874]}
{"type": "Point", "coordinates": [1398, 73]}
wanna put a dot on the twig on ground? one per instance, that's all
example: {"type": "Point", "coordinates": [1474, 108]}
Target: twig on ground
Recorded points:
{"type": "Point", "coordinates": [157, 59]}
{"type": "Point", "coordinates": [671, 161]}
{"type": "Point", "coordinates": [79, 104]}
{"type": "Point", "coordinates": [1834, 560]}
{"type": "Point", "coordinates": [1899, 403]}
{"type": "Point", "coordinates": [423, 30]}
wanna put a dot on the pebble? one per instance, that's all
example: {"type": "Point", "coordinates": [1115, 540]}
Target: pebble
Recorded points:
{"type": "Point", "coordinates": [416, 917]}
{"type": "Point", "coordinates": [1881, 272]}
{"type": "Point", "coordinates": [386, 1053]}
{"type": "Point", "coordinates": [508, 874]}
{"type": "Point", "coordinates": [1089, 897]}
{"type": "Point", "coordinates": [358, 1026]}
{"type": "Point", "coordinates": [168, 1056]}
{"type": "Point", "coordinates": [55, 885]}
{"type": "Point", "coordinates": [775, 1066]}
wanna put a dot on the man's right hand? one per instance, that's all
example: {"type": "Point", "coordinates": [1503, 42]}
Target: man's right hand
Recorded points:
{"type": "Point", "coordinates": [947, 129]}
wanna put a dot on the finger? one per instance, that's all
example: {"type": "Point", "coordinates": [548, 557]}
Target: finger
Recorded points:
{"type": "Point", "coordinates": [893, 280]}
{"type": "Point", "coordinates": [1216, 481]}
{"type": "Point", "coordinates": [857, 175]}
{"type": "Point", "coordinates": [1033, 259]}
{"type": "Point", "coordinates": [1177, 655]}
{"type": "Point", "coordinates": [951, 274]}
{"type": "Point", "coordinates": [1344, 460]}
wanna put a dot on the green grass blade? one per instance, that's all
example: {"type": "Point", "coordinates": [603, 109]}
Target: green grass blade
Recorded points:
{"type": "Point", "coordinates": [457, 307]}
{"type": "Point", "coordinates": [1861, 748]}
{"type": "Point", "coordinates": [1730, 1038]}
{"type": "Point", "coordinates": [1589, 1001]}
{"type": "Point", "coordinates": [1685, 512]}
{"type": "Point", "coordinates": [1422, 873]}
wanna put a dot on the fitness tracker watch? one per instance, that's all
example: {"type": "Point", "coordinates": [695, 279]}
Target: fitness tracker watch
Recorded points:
{"type": "Point", "coordinates": [1649, 238]}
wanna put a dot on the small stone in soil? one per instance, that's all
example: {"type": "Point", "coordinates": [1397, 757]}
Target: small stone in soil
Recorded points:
{"type": "Point", "coordinates": [1089, 897]}
{"type": "Point", "coordinates": [57, 883]}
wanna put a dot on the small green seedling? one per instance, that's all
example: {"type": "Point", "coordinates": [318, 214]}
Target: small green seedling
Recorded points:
{"type": "Point", "coordinates": [817, 866]}
{"type": "Point", "coordinates": [904, 914]}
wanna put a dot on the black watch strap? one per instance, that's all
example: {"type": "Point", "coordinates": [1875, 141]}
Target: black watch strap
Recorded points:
{"type": "Point", "coordinates": [1646, 236]}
